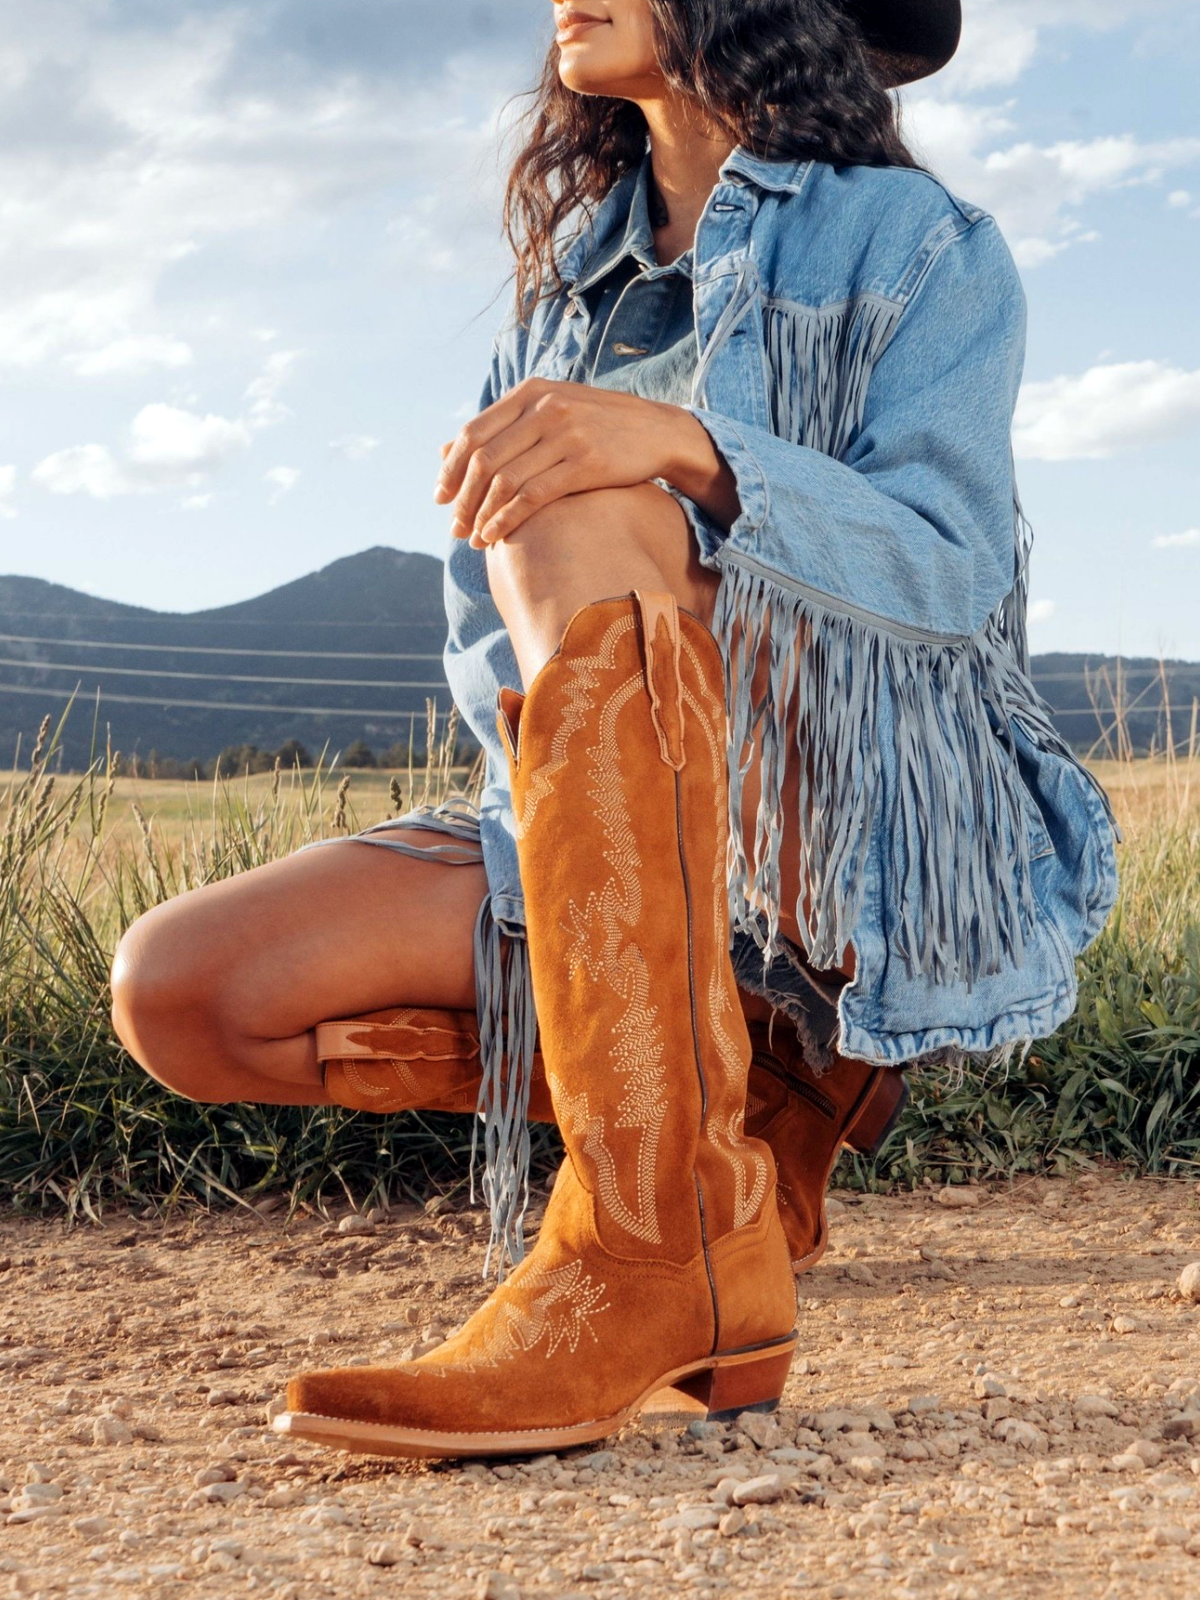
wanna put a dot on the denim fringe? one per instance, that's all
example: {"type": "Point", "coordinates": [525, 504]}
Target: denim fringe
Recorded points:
{"type": "Point", "coordinates": [507, 1029]}
{"type": "Point", "coordinates": [824, 358]}
{"type": "Point", "coordinates": [1009, 622]}
{"type": "Point", "coordinates": [958, 845]}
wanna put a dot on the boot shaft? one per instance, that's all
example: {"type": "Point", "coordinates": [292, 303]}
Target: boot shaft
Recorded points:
{"type": "Point", "coordinates": [617, 765]}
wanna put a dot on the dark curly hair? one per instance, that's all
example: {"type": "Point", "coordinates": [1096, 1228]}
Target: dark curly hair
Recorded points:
{"type": "Point", "coordinates": [784, 78]}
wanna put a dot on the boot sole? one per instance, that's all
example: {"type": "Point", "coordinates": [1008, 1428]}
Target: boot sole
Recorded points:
{"type": "Point", "coordinates": [719, 1387]}
{"type": "Point", "coordinates": [867, 1131]}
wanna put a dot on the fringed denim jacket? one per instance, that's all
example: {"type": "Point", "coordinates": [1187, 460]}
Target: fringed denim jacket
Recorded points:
{"type": "Point", "coordinates": [861, 337]}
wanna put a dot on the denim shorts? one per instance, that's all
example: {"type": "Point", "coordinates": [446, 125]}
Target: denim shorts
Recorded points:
{"type": "Point", "coordinates": [809, 999]}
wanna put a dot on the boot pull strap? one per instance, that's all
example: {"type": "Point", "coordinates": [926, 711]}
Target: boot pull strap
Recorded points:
{"type": "Point", "coordinates": [660, 635]}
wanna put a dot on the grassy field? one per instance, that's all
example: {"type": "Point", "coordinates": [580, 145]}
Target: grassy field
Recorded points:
{"type": "Point", "coordinates": [81, 1124]}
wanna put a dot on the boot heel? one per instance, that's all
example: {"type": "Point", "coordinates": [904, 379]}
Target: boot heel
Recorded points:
{"type": "Point", "coordinates": [748, 1380]}
{"type": "Point", "coordinates": [880, 1114]}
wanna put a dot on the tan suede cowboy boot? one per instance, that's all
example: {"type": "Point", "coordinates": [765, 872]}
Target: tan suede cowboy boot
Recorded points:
{"type": "Point", "coordinates": [404, 1058]}
{"type": "Point", "coordinates": [808, 1119]}
{"type": "Point", "coordinates": [661, 1261]}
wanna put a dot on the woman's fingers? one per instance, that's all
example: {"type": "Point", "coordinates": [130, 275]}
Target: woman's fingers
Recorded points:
{"type": "Point", "coordinates": [542, 440]}
{"type": "Point", "coordinates": [482, 432]}
{"type": "Point", "coordinates": [496, 458]}
{"type": "Point", "coordinates": [527, 482]}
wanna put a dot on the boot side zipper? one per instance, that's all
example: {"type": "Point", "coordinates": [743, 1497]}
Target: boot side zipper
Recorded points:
{"type": "Point", "coordinates": [794, 1085]}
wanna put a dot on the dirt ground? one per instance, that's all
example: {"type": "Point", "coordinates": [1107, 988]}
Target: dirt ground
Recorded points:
{"type": "Point", "coordinates": [997, 1399]}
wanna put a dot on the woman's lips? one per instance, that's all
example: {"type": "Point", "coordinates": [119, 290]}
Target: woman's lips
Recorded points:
{"type": "Point", "coordinates": [574, 29]}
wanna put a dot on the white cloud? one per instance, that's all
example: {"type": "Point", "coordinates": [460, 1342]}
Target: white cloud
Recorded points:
{"type": "Point", "coordinates": [196, 502]}
{"type": "Point", "coordinates": [8, 482]}
{"type": "Point", "coordinates": [266, 409]}
{"type": "Point", "coordinates": [1040, 611]}
{"type": "Point", "coordinates": [85, 469]}
{"type": "Point", "coordinates": [137, 144]}
{"type": "Point", "coordinates": [1033, 190]}
{"type": "Point", "coordinates": [170, 447]}
{"type": "Point", "coordinates": [354, 446]}
{"type": "Point", "coordinates": [181, 446]}
{"type": "Point", "coordinates": [121, 357]}
{"type": "Point", "coordinates": [1001, 38]}
{"type": "Point", "coordinates": [1179, 197]}
{"type": "Point", "coordinates": [1106, 409]}
{"type": "Point", "coordinates": [1171, 541]}
{"type": "Point", "coordinates": [284, 480]}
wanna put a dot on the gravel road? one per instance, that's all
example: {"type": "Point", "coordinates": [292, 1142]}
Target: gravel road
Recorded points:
{"type": "Point", "coordinates": [995, 1397]}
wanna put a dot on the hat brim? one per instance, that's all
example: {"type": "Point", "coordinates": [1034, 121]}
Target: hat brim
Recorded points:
{"type": "Point", "coordinates": [908, 39]}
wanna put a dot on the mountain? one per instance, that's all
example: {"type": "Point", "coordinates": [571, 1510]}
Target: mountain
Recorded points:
{"type": "Point", "coordinates": [332, 636]}
{"type": "Point", "coordinates": [1085, 691]}
{"type": "Point", "coordinates": [338, 639]}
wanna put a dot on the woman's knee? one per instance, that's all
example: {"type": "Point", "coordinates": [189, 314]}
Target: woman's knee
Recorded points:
{"type": "Point", "coordinates": [148, 972]}
{"type": "Point", "coordinates": [162, 1005]}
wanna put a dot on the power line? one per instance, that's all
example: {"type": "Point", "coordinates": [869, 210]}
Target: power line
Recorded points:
{"type": "Point", "coordinates": [413, 655]}
{"type": "Point", "coordinates": [216, 677]}
{"type": "Point", "coordinates": [1079, 677]}
{"type": "Point", "coordinates": [215, 622]}
{"type": "Point", "coordinates": [221, 650]}
{"type": "Point", "coordinates": [221, 705]}
{"type": "Point", "coordinates": [1126, 711]}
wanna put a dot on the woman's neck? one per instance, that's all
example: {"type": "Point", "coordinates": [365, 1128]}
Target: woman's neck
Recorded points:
{"type": "Point", "coordinates": [684, 163]}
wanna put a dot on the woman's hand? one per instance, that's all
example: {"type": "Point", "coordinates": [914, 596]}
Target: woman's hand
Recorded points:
{"type": "Point", "coordinates": [545, 439]}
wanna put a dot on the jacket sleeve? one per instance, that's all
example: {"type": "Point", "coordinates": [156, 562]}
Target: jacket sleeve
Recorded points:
{"type": "Point", "coordinates": [914, 523]}
{"type": "Point", "coordinates": [478, 654]}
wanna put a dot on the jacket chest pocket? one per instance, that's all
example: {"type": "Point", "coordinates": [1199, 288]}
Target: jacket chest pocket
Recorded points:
{"type": "Point", "coordinates": [1040, 842]}
{"type": "Point", "coordinates": [732, 375]}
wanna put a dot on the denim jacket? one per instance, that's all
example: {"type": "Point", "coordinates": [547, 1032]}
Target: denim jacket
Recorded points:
{"type": "Point", "coordinates": [861, 340]}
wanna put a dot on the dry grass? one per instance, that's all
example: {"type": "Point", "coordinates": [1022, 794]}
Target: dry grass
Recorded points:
{"type": "Point", "coordinates": [82, 855]}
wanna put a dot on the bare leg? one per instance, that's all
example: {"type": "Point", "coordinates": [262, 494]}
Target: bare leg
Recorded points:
{"type": "Point", "coordinates": [216, 992]}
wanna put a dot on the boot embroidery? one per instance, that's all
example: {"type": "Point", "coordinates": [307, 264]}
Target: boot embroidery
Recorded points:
{"type": "Point", "coordinates": [577, 701]}
{"type": "Point", "coordinates": [553, 1307]}
{"type": "Point", "coordinates": [754, 1104]}
{"type": "Point", "coordinates": [598, 943]}
{"type": "Point", "coordinates": [751, 1180]}
{"type": "Point", "coordinates": [364, 1086]}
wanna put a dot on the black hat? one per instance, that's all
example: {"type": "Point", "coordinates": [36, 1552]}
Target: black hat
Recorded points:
{"type": "Point", "coordinates": [908, 39]}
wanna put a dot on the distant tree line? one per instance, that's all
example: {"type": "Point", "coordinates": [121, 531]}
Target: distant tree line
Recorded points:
{"type": "Point", "coordinates": [235, 760]}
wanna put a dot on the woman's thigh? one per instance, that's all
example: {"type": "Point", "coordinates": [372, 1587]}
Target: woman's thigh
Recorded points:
{"type": "Point", "coordinates": [220, 986]}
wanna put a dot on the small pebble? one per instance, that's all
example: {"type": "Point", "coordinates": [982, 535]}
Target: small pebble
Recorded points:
{"type": "Point", "coordinates": [762, 1429]}
{"type": "Point", "coordinates": [497, 1586]}
{"type": "Point", "coordinates": [355, 1224]}
{"type": "Point", "coordinates": [762, 1491]}
{"type": "Point", "coordinates": [1095, 1405]}
{"type": "Point", "coordinates": [111, 1430]}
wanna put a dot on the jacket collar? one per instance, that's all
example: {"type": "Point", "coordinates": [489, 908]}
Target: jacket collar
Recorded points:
{"type": "Point", "coordinates": [618, 220]}
{"type": "Point", "coordinates": [635, 238]}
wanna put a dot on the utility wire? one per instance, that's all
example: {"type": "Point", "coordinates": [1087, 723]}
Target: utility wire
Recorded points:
{"type": "Point", "coordinates": [209, 622]}
{"type": "Point", "coordinates": [221, 705]}
{"type": "Point", "coordinates": [389, 655]}
{"type": "Point", "coordinates": [218, 677]}
{"type": "Point", "coordinates": [220, 650]}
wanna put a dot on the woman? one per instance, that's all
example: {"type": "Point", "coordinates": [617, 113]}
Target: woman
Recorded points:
{"type": "Point", "coordinates": [738, 513]}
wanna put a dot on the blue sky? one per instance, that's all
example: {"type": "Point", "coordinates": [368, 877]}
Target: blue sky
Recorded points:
{"type": "Point", "coordinates": [251, 265]}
